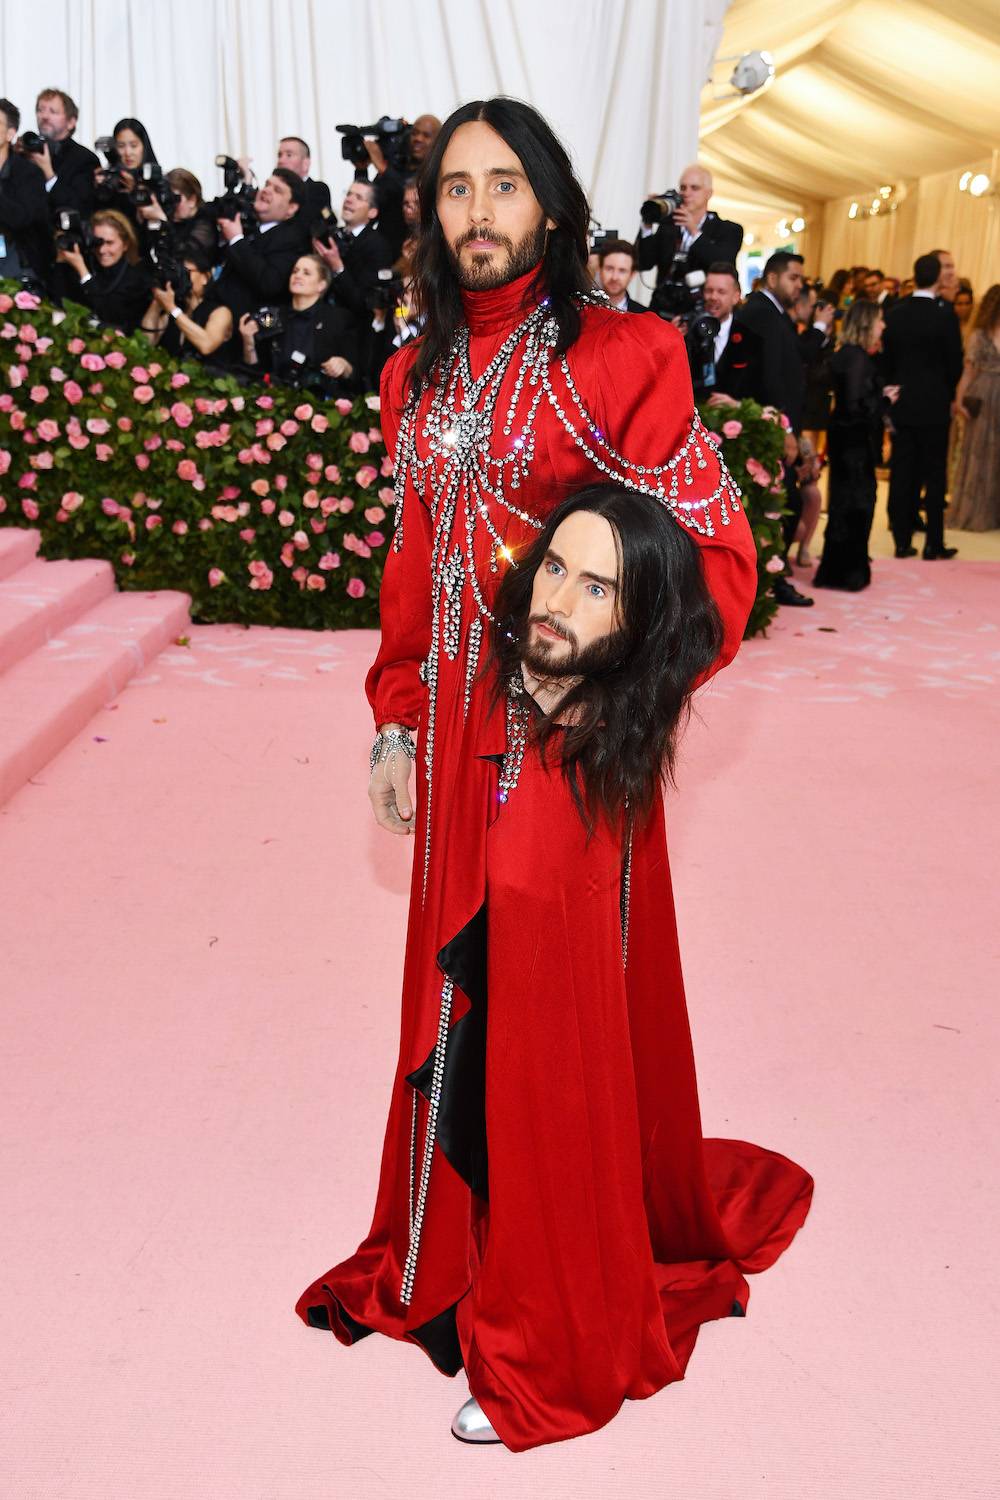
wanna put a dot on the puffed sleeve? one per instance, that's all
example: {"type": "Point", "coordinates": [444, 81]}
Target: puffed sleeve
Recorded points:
{"type": "Point", "coordinates": [393, 685]}
{"type": "Point", "coordinates": [647, 406]}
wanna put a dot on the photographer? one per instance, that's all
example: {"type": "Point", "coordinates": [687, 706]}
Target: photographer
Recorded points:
{"type": "Point", "coordinates": [312, 344]}
{"type": "Point", "coordinates": [358, 252]}
{"type": "Point", "coordinates": [680, 235]}
{"type": "Point", "coordinates": [109, 279]}
{"type": "Point", "coordinates": [257, 266]}
{"type": "Point", "coordinates": [294, 156]}
{"type": "Point", "coordinates": [130, 154]}
{"type": "Point", "coordinates": [731, 371]}
{"type": "Point", "coordinates": [67, 167]}
{"type": "Point", "coordinates": [199, 324]}
{"type": "Point", "coordinates": [392, 175]}
{"type": "Point", "coordinates": [394, 322]}
{"type": "Point", "coordinates": [25, 243]}
{"type": "Point", "coordinates": [191, 223]}
{"type": "Point", "coordinates": [616, 267]}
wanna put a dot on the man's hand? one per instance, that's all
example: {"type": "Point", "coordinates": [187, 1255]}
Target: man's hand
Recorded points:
{"type": "Point", "coordinates": [389, 790]}
{"type": "Point", "coordinates": [891, 393]}
{"type": "Point", "coordinates": [331, 254]}
{"type": "Point", "coordinates": [719, 398]}
{"type": "Point", "coordinates": [375, 155]}
{"type": "Point", "coordinates": [337, 367]}
{"type": "Point", "coordinates": [43, 159]}
{"type": "Point", "coordinates": [152, 213]}
{"type": "Point", "coordinates": [244, 164]}
{"type": "Point", "coordinates": [75, 259]}
{"type": "Point", "coordinates": [684, 219]}
{"type": "Point", "coordinates": [230, 228]}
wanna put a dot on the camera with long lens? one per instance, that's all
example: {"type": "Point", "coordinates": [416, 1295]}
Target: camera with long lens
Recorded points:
{"type": "Point", "coordinates": [151, 186]}
{"type": "Point", "coordinates": [654, 210]}
{"type": "Point", "coordinates": [237, 196]}
{"type": "Point", "coordinates": [112, 176]}
{"type": "Point", "coordinates": [31, 143]}
{"type": "Point", "coordinates": [72, 231]}
{"type": "Point", "coordinates": [168, 265]}
{"type": "Point", "coordinates": [325, 229]}
{"type": "Point", "coordinates": [392, 135]}
{"type": "Point", "coordinates": [598, 237]}
{"type": "Point", "coordinates": [387, 292]}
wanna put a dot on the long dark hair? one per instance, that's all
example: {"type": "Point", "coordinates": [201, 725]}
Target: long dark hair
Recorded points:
{"type": "Point", "coordinates": [139, 129]}
{"type": "Point", "coordinates": [624, 720]}
{"type": "Point", "coordinates": [563, 270]}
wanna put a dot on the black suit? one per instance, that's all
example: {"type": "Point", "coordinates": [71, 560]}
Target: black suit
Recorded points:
{"type": "Point", "coordinates": [24, 217]}
{"type": "Point", "coordinates": [719, 239]}
{"type": "Point", "coordinates": [256, 269]}
{"type": "Point", "coordinates": [364, 255]}
{"type": "Point", "coordinates": [739, 370]}
{"type": "Point", "coordinates": [783, 383]}
{"type": "Point", "coordinates": [922, 354]}
{"type": "Point", "coordinates": [74, 181]}
{"type": "Point", "coordinates": [632, 306]}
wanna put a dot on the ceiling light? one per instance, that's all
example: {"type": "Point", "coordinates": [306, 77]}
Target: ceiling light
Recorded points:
{"type": "Point", "coordinates": [749, 239]}
{"type": "Point", "coordinates": [782, 228]}
{"type": "Point", "coordinates": [752, 72]}
{"type": "Point", "coordinates": [979, 185]}
{"type": "Point", "coordinates": [852, 212]}
{"type": "Point", "coordinates": [885, 192]}
{"type": "Point", "coordinates": [876, 205]}
{"type": "Point", "coordinates": [963, 182]}
{"type": "Point", "coordinates": [798, 225]}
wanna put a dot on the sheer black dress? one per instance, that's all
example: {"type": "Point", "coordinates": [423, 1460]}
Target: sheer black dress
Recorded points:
{"type": "Point", "coordinates": [854, 444]}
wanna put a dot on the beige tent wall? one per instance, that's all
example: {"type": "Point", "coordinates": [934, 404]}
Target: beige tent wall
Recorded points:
{"type": "Point", "coordinates": [933, 215]}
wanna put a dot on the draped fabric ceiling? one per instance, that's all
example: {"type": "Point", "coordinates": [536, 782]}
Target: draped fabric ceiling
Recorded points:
{"type": "Point", "coordinates": [866, 93]}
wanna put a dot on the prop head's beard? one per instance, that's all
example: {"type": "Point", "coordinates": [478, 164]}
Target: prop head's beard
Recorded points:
{"type": "Point", "coordinates": [549, 659]}
{"type": "Point", "coordinates": [483, 274]}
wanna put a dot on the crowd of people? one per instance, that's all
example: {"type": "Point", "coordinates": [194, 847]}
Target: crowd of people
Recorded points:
{"type": "Point", "coordinates": [269, 282]}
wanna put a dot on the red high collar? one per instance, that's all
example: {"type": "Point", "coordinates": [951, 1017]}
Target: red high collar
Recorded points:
{"type": "Point", "coordinates": [502, 307]}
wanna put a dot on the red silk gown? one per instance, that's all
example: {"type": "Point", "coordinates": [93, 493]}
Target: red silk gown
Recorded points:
{"type": "Point", "coordinates": [578, 1228]}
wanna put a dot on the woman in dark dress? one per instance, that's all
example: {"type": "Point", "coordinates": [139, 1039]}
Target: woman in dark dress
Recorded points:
{"type": "Point", "coordinates": [110, 278]}
{"type": "Point", "coordinates": [198, 326]}
{"type": "Point", "coordinates": [854, 448]}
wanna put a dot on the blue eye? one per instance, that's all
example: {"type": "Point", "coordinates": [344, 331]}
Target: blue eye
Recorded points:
{"type": "Point", "coordinates": [553, 568]}
{"type": "Point", "coordinates": [506, 185]}
{"type": "Point", "coordinates": [596, 592]}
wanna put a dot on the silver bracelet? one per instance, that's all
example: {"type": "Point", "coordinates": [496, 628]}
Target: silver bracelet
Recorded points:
{"type": "Point", "coordinates": [389, 742]}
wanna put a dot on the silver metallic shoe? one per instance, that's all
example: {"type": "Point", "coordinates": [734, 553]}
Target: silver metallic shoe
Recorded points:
{"type": "Point", "coordinates": [471, 1424]}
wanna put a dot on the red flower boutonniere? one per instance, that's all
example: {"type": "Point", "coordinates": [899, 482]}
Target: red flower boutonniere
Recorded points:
{"type": "Point", "coordinates": [736, 338]}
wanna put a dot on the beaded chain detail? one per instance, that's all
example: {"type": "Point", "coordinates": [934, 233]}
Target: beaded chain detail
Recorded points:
{"type": "Point", "coordinates": [464, 482]}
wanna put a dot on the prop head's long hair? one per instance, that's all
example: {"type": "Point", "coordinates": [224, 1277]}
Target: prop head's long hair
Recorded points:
{"type": "Point", "coordinates": [562, 272]}
{"type": "Point", "coordinates": [622, 722]}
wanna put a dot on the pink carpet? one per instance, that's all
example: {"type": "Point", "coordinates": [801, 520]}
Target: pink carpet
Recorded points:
{"type": "Point", "coordinates": [201, 931]}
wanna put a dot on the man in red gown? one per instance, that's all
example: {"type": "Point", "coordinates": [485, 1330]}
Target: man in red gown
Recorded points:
{"type": "Point", "coordinates": [548, 1216]}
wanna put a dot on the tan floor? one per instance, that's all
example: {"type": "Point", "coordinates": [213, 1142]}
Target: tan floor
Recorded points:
{"type": "Point", "coordinates": [973, 546]}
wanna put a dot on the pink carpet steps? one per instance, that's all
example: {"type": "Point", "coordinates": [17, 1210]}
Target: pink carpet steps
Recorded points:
{"type": "Point", "coordinates": [201, 934]}
{"type": "Point", "coordinates": [69, 642]}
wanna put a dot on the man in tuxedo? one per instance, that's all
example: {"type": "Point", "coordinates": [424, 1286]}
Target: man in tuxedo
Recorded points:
{"type": "Point", "coordinates": [735, 373]}
{"type": "Point", "coordinates": [25, 241]}
{"type": "Point", "coordinates": [783, 380]}
{"type": "Point", "coordinates": [358, 253]}
{"type": "Point", "coordinates": [294, 155]}
{"type": "Point", "coordinates": [922, 354]}
{"type": "Point", "coordinates": [256, 268]}
{"type": "Point", "coordinates": [692, 237]}
{"type": "Point", "coordinates": [67, 167]}
{"type": "Point", "coordinates": [616, 267]}
{"type": "Point", "coordinates": [391, 179]}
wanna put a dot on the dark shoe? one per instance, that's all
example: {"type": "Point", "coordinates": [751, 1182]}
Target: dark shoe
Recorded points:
{"type": "Point", "coordinates": [931, 554]}
{"type": "Point", "coordinates": [786, 593]}
{"type": "Point", "coordinates": [906, 551]}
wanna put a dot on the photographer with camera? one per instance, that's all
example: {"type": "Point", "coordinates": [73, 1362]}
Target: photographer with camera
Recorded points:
{"type": "Point", "coordinates": [25, 242]}
{"type": "Point", "coordinates": [730, 371]}
{"type": "Point", "coordinates": [295, 156]}
{"type": "Point", "coordinates": [396, 150]}
{"type": "Point", "coordinates": [102, 270]}
{"type": "Point", "coordinates": [309, 345]}
{"type": "Point", "coordinates": [257, 265]}
{"type": "Point", "coordinates": [616, 267]}
{"type": "Point", "coordinates": [133, 175]}
{"type": "Point", "coordinates": [185, 317]}
{"type": "Point", "coordinates": [67, 167]}
{"type": "Point", "coordinates": [192, 225]}
{"type": "Point", "coordinates": [680, 235]}
{"type": "Point", "coordinates": [357, 253]}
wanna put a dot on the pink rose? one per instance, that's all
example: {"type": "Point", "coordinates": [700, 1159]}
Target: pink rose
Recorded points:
{"type": "Point", "coordinates": [314, 581]}
{"type": "Point", "coordinates": [732, 428]}
{"type": "Point", "coordinates": [772, 515]}
{"type": "Point", "coordinates": [4, 460]}
{"type": "Point", "coordinates": [775, 565]}
{"type": "Point", "coordinates": [386, 468]}
{"type": "Point", "coordinates": [276, 442]}
{"type": "Point", "coordinates": [265, 402]}
{"type": "Point", "coordinates": [17, 420]}
{"type": "Point", "coordinates": [30, 509]}
{"type": "Point", "coordinates": [6, 303]}
{"type": "Point", "coordinates": [757, 472]}
{"type": "Point", "coordinates": [42, 344]}
{"type": "Point", "coordinates": [375, 539]}
{"type": "Point", "coordinates": [281, 482]}
{"type": "Point", "coordinates": [95, 388]}
{"type": "Point", "coordinates": [268, 507]}
{"type": "Point", "coordinates": [27, 482]}
{"type": "Point", "coordinates": [261, 575]}
{"type": "Point", "coordinates": [355, 588]}
{"type": "Point", "coordinates": [358, 442]}
{"type": "Point", "coordinates": [47, 430]}
{"type": "Point", "coordinates": [104, 452]}
{"type": "Point", "coordinates": [366, 476]}
{"type": "Point", "coordinates": [231, 492]}
{"type": "Point", "coordinates": [79, 441]}
{"type": "Point", "coordinates": [179, 528]}
{"type": "Point", "coordinates": [43, 460]}
{"type": "Point", "coordinates": [319, 423]}
{"type": "Point", "coordinates": [139, 374]}
{"type": "Point", "coordinates": [303, 412]}
{"type": "Point", "coordinates": [375, 435]}
{"type": "Point", "coordinates": [215, 577]}
{"type": "Point", "coordinates": [374, 514]}
{"type": "Point", "coordinates": [152, 443]}
{"type": "Point", "coordinates": [27, 301]}
{"type": "Point", "coordinates": [127, 559]}
{"type": "Point", "coordinates": [263, 426]}
{"type": "Point", "coordinates": [177, 379]}
{"type": "Point", "coordinates": [259, 486]}
{"type": "Point", "coordinates": [206, 524]}
{"type": "Point", "coordinates": [299, 574]}
{"type": "Point", "coordinates": [237, 402]}
{"type": "Point", "coordinates": [91, 362]}
{"type": "Point", "coordinates": [332, 473]}
{"type": "Point", "coordinates": [343, 405]}
{"type": "Point", "coordinates": [71, 501]}
{"type": "Point", "coordinates": [6, 401]}
{"type": "Point", "coordinates": [285, 517]}
{"type": "Point", "coordinates": [142, 461]}
{"type": "Point", "coordinates": [115, 359]}
{"type": "Point", "coordinates": [329, 560]}
{"type": "Point", "coordinates": [182, 414]}
{"type": "Point", "coordinates": [124, 424]}
{"type": "Point", "coordinates": [143, 394]}
{"type": "Point", "coordinates": [300, 540]}
{"type": "Point", "coordinates": [289, 428]}
{"type": "Point", "coordinates": [109, 506]}
{"type": "Point", "coordinates": [187, 469]}
{"type": "Point", "coordinates": [317, 525]}
{"type": "Point", "coordinates": [786, 424]}
{"type": "Point", "coordinates": [345, 506]}
{"type": "Point", "coordinates": [38, 393]}
{"type": "Point", "coordinates": [287, 555]}
{"type": "Point", "coordinates": [29, 334]}
{"type": "Point", "coordinates": [225, 513]}
{"type": "Point", "coordinates": [98, 426]}
{"type": "Point", "coordinates": [152, 522]}
{"type": "Point", "coordinates": [247, 534]}
{"type": "Point", "coordinates": [155, 370]}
